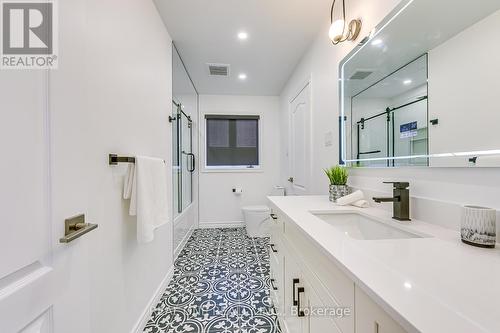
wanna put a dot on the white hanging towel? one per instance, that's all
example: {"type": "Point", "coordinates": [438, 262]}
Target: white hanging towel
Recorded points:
{"type": "Point", "coordinates": [146, 186]}
{"type": "Point", "coordinates": [129, 181]}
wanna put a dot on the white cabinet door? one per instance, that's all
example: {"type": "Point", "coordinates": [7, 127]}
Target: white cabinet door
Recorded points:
{"type": "Point", "coordinates": [318, 314]}
{"type": "Point", "coordinates": [293, 280]}
{"type": "Point", "coordinates": [372, 318]}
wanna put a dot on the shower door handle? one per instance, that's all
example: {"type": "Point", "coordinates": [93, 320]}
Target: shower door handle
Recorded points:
{"type": "Point", "coordinates": [193, 162]}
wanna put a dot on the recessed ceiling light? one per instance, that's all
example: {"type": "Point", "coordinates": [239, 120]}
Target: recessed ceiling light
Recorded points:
{"type": "Point", "coordinates": [377, 42]}
{"type": "Point", "coordinates": [242, 35]}
{"type": "Point", "coordinates": [407, 82]}
{"type": "Point", "coordinates": [242, 76]}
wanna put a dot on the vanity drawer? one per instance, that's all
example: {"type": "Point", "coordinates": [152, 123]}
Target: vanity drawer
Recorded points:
{"type": "Point", "coordinates": [332, 286]}
{"type": "Point", "coordinates": [276, 261]}
{"type": "Point", "coordinates": [276, 258]}
{"type": "Point", "coordinates": [275, 240]}
{"type": "Point", "coordinates": [276, 229]}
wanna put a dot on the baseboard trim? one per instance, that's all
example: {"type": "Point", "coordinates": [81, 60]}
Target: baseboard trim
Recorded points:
{"type": "Point", "coordinates": [146, 314]}
{"type": "Point", "coordinates": [183, 242]}
{"type": "Point", "coordinates": [231, 224]}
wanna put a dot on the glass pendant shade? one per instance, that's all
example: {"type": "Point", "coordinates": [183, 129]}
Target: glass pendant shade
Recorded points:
{"type": "Point", "coordinates": [336, 30]}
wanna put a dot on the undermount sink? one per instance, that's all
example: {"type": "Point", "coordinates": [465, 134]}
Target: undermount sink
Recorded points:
{"type": "Point", "coordinates": [361, 227]}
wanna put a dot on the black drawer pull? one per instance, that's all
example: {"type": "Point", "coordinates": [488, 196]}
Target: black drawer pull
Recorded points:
{"type": "Point", "coordinates": [300, 313]}
{"type": "Point", "coordinates": [272, 285]}
{"type": "Point", "coordinates": [294, 282]}
{"type": "Point", "coordinates": [274, 216]}
{"type": "Point", "coordinates": [272, 248]}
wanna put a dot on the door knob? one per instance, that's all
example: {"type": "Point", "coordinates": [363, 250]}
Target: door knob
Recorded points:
{"type": "Point", "coordinates": [290, 179]}
{"type": "Point", "coordinates": [75, 227]}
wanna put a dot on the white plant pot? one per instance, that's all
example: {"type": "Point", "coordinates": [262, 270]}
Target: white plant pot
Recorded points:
{"type": "Point", "coordinates": [478, 226]}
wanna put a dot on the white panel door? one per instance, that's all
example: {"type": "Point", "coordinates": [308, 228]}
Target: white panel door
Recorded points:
{"type": "Point", "coordinates": [300, 142]}
{"type": "Point", "coordinates": [43, 283]}
{"type": "Point", "coordinates": [26, 272]}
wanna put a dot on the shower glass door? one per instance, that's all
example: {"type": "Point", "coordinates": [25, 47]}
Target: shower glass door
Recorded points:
{"type": "Point", "coordinates": [373, 140]}
{"type": "Point", "coordinates": [183, 159]}
{"type": "Point", "coordinates": [410, 145]}
{"type": "Point", "coordinates": [187, 160]}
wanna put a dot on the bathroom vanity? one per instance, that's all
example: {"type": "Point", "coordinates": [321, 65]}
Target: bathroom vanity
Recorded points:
{"type": "Point", "coordinates": [346, 269]}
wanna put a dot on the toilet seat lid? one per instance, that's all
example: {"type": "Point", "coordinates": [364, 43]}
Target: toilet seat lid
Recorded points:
{"type": "Point", "coordinates": [260, 208]}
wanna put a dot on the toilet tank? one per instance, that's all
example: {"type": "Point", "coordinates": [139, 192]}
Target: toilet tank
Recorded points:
{"type": "Point", "coordinates": [278, 191]}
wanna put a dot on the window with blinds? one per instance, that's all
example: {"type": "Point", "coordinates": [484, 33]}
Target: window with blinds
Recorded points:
{"type": "Point", "coordinates": [232, 141]}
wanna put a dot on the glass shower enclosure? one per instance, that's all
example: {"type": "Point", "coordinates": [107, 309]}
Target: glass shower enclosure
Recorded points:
{"type": "Point", "coordinates": [394, 133]}
{"type": "Point", "coordinates": [389, 118]}
{"type": "Point", "coordinates": [183, 159]}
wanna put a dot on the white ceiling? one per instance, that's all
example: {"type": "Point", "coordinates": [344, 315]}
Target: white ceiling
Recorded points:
{"type": "Point", "coordinates": [393, 86]}
{"type": "Point", "coordinates": [280, 32]}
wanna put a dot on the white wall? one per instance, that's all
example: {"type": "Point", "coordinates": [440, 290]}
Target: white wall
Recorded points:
{"type": "Point", "coordinates": [218, 204]}
{"type": "Point", "coordinates": [111, 94]}
{"type": "Point", "coordinates": [437, 192]}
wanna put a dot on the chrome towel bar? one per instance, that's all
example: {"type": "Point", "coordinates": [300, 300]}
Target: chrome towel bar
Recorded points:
{"type": "Point", "coordinates": [115, 159]}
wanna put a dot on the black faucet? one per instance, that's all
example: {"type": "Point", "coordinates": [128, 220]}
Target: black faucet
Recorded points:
{"type": "Point", "coordinates": [400, 200]}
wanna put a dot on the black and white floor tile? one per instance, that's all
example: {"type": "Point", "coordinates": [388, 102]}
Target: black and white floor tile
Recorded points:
{"type": "Point", "coordinates": [220, 285]}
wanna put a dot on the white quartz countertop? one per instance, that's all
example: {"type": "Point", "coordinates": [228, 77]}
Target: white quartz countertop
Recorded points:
{"type": "Point", "coordinates": [435, 284]}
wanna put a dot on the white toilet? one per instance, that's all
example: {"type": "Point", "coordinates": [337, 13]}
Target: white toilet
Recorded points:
{"type": "Point", "coordinates": [257, 218]}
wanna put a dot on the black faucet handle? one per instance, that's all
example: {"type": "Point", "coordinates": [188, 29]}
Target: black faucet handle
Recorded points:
{"type": "Point", "coordinates": [399, 185]}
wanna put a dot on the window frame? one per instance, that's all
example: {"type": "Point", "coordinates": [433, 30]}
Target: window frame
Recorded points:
{"type": "Point", "coordinates": [232, 168]}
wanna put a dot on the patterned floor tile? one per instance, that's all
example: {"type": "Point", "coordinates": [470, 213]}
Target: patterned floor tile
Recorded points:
{"type": "Point", "coordinates": [220, 285]}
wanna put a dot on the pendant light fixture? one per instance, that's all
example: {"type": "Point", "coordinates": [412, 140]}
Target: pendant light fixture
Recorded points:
{"type": "Point", "coordinates": [339, 30]}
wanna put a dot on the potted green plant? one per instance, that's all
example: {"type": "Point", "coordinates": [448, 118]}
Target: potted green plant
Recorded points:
{"type": "Point", "coordinates": [338, 182]}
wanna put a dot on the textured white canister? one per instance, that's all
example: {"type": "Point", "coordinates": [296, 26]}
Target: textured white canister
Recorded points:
{"type": "Point", "coordinates": [478, 226]}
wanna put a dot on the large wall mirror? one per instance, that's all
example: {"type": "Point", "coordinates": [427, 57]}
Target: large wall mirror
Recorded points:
{"type": "Point", "coordinates": [423, 89]}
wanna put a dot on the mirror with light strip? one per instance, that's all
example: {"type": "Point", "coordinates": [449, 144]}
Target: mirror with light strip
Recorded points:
{"type": "Point", "coordinates": [421, 90]}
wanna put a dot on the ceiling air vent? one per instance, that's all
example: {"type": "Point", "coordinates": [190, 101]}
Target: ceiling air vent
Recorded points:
{"type": "Point", "coordinates": [360, 75]}
{"type": "Point", "coordinates": [218, 70]}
